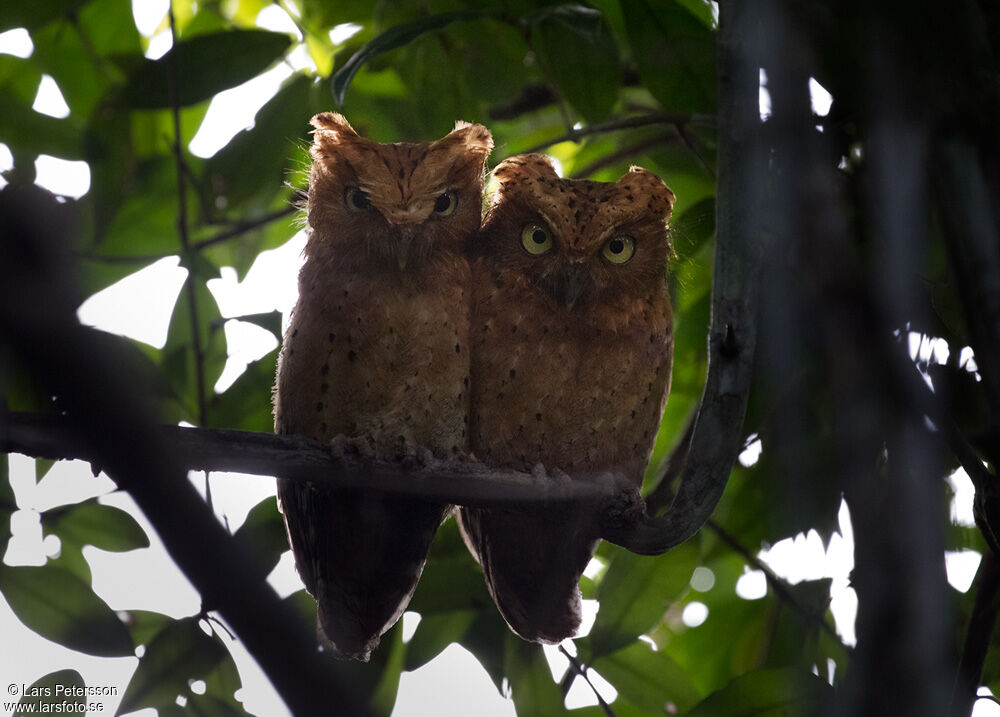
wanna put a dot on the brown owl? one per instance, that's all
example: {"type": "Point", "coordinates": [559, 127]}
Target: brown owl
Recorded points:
{"type": "Point", "coordinates": [378, 352]}
{"type": "Point", "coordinates": [572, 340]}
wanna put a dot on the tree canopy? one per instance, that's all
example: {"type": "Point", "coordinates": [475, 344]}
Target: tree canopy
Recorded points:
{"type": "Point", "coordinates": [828, 239]}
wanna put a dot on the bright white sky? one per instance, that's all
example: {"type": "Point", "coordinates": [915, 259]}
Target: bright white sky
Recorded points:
{"type": "Point", "coordinates": [139, 306]}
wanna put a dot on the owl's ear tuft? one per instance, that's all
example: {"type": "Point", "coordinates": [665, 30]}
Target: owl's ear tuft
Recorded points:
{"type": "Point", "coordinates": [473, 138]}
{"type": "Point", "coordinates": [526, 167]}
{"type": "Point", "coordinates": [332, 122]}
{"type": "Point", "coordinates": [648, 189]}
{"type": "Point", "coordinates": [332, 130]}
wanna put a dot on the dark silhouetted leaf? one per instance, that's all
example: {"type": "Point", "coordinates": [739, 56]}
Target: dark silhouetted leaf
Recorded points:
{"type": "Point", "coordinates": [56, 688]}
{"type": "Point", "coordinates": [585, 69]}
{"type": "Point", "coordinates": [58, 605]}
{"type": "Point", "coordinates": [532, 689]}
{"type": "Point", "coordinates": [245, 404]}
{"type": "Point", "coordinates": [179, 653]}
{"type": "Point", "coordinates": [270, 321]}
{"type": "Point", "coordinates": [263, 532]}
{"type": "Point", "coordinates": [91, 523]}
{"type": "Point", "coordinates": [434, 633]}
{"type": "Point", "coordinates": [394, 38]}
{"type": "Point", "coordinates": [144, 625]}
{"type": "Point", "coordinates": [203, 66]}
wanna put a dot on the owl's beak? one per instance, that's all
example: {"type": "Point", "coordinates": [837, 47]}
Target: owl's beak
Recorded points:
{"type": "Point", "coordinates": [403, 249]}
{"type": "Point", "coordinates": [572, 288]}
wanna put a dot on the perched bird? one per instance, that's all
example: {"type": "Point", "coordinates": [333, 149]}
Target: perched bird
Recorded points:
{"type": "Point", "coordinates": [572, 341]}
{"type": "Point", "coordinates": [377, 357]}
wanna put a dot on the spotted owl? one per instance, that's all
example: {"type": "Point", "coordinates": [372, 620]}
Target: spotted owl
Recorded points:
{"type": "Point", "coordinates": [572, 342]}
{"type": "Point", "coordinates": [377, 357]}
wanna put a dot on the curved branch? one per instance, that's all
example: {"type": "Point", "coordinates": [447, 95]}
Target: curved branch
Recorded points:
{"type": "Point", "coordinates": [717, 436]}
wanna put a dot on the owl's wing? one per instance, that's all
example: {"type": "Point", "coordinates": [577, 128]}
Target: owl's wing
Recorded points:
{"type": "Point", "coordinates": [360, 555]}
{"type": "Point", "coordinates": [532, 561]}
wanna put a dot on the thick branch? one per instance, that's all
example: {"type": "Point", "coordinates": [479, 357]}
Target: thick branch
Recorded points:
{"type": "Point", "coordinates": [298, 458]}
{"type": "Point", "coordinates": [977, 637]}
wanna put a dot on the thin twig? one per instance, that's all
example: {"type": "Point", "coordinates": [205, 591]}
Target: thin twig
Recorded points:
{"type": "Point", "coordinates": [779, 586]}
{"type": "Point", "coordinates": [624, 153]}
{"type": "Point", "coordinates": [652, 118]}
{"type": "Point", "coordinates": [238, 229]}
{"type": "Point", "coordinates": [581, 670]}
{"type": "Point", "coordinates": [244, 227]}
{"type": "Point", "coordinates": [182, 230]}
{"type": "Point", "coordinates": [689, 142]}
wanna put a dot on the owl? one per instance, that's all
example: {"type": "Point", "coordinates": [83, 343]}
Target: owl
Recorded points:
{"type": "Point", "coordinates": [572, 342]}
{"type": "Point", "coordinates": [376, 359]}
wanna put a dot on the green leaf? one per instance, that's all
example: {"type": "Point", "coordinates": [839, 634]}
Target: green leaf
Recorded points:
{"type": "Point", "coordinates": [448, 584]}
{"type": "Point", "coordinates": [180, 358]}
{"type": "Point", "coordinates": [434, 633]}
{"type": "Point", "coordinates": [648, 679]}
{"type": "Point", "coordinates": [179, 653]}
{"type": "Point", "coordinates": [245, 405]}
{"type": "Point", "coordinates": [204, 66]}
{"type": "Point", "coordinates": [32, 14]}
{"type": "Point", "coordinates": [144, 625]}
{"type": "Point", "coordinates": [259, 159]}
{"type": "Point", "coordinates": [585, 22]}
{"type": "Point", "coordinates": [263, 532]}
{"type": "Point", "coordinates": [91, 523]}
{"type": "Point", "coordinates": [585, 69]}
{"type": "Point", "coordinates": [486, 639]}
{"type": "Point", "coordinates": [532, 689]}
{"type": "Point", "coordinates": [690, 231]}
{"type": "Point", "coordinates": [223, 681]}
{"type": "Point", "coordinates": [59, 606]}
{"type": "Point", "coordinates": [674, 52]}
{"type": "Point", "coordinates": [397, 37]}
{"type": "Point", "coordinates": [768, 693]}
{"type": "Point", "coordinates": [55, 688]}
{"type": "Point", "coordinates": [23, 128]}
{"type": "Point", "coordinates": [636, 592]}
{"type": "Point", "coordinates": [271, 321]}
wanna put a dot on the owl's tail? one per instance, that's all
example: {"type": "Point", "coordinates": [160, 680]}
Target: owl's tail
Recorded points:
{"type": "Point", "coordinates": [532, 561]}
{"type": "Point", "coordinates": [360, 555]}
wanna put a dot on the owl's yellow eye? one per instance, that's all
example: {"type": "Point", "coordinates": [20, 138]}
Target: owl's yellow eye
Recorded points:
{"type": "Point", "coordinates": [356, 200]}
{"type": "Point", "coordinates": [619, 249]}
{"type": "Point", "coordinates": [536, 239]}
{"type": "Point", "coordinates": [445, 204]}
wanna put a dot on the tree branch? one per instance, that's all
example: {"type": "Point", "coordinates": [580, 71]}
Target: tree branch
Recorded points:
{"type": "Point", "coordinates": [779, 586]}
{"type": "Point", "coordinates": [238, 229]}
{"type": "Point", "coordinates": [977, 638]}
{"type": "Point", "coordinates": [718, 427]}
{"type": "Point", "coordinates": [298, 458]}
{"type": "Point", "coordinates": [619, 124]}
{"type": "Point", "coordinates": [581, 670]}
